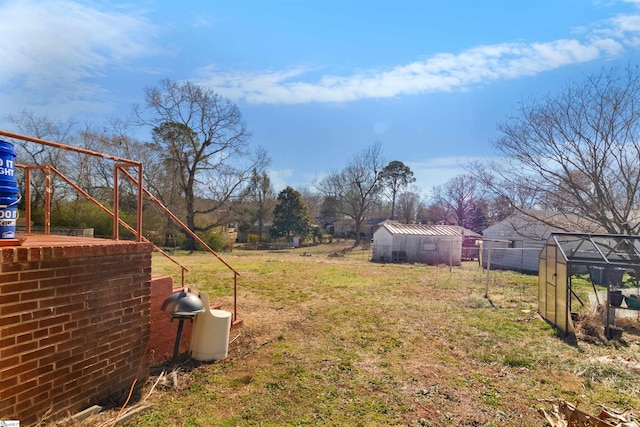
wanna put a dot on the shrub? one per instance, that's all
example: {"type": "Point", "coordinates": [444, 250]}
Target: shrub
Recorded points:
{"type": "Point", "coordinates": [214, 240]}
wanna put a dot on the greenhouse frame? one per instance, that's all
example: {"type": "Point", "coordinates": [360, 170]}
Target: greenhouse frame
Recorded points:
{"type": "Point", "coordinates": [568, 254]}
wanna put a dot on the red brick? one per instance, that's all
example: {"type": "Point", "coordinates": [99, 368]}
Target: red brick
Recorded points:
{"type": "Point", "coordinates": [75, 343]}
{"type": "Point", "coordinates": [70, 326]}
{"type": "Point", "coordinates": [19, 388]}
{"type": "Point", "coordinates": [27, 371]}
{"type": "Point", "coordinates": [6, 342]}
{"type": "Point", "coordinates": [7, 255]}
{"type": "Point", "coordinates": [26, 306]}
{"type": "Point", "coordinates": [5, 383]}
{"type": "Point", "coordinates": [8, 278]}
{"type": "Point", "coordinates": [35, 254]}
{"type": "Point", "coordinates": [22, 254]}
{"type": "Point", "coordinates": [74, 270]}
{"type": "Point", "coordinates": [54, 357]}
{"type": "Point", "coordinates": [49, 377]}
{"type": "Point", "coordinates": [70, 308]}
{"type": "Point", "coordinates": [55, 302]}
{"type": "Point", "coordinates": [54, 282]}
{"type": "Point", "coordinates": [29, 397]}
{"type": "Point", "coordinates": [37, 314]}
{"type": "Point", "coordinates": [39, 274]}
{"type": "Point", "coordinates": [39, 333]}
{"type": "Point", "coordinates": [58, 252]}
{"type": "Point", "coordinates": [46, 253]}
{"type": "Point", "coordinates": [9, 298]}
{"type": "Point", "coordinates": [72, 361]}
{"type": "Point", "coordinates": [22, 285]}
{"type": "Point", "coordinates": [49, 322]}
{"type": "Point", "coordinates": [7, 366]}
{"type": "Point", "coordinates": [24, 338]}
{"type": "Point", "coordinates": [37, 294]}
{"type": "Point", "coordinates": [54, 339]}
{"type": "Point", "coordinates": [90, 277]}
{"type": "Point", "coordinates": [57, 391]}
{"type": "Point", "coordinates": [39, 353]}
{"type": "Point", "coordinates": [18, 349]}
{"type": "Point", "coordinates": [7, 402]}
{"type": "Point", "coordinates": [92, 317]}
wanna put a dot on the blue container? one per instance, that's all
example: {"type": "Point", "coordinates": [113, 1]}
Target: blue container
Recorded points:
{"type": "Point", "coordinates": [9, 192]}
{"type": "Point", "coordinates": [8, 216]}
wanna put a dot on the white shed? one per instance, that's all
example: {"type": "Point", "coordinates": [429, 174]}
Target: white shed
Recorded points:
{"type": "Point", "coordinates": [515, 243]}
{"type": "Point", "coordinates": [428, 244]}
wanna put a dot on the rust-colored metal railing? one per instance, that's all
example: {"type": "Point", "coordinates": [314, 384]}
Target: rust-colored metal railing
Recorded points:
{"type": "Point", "coordinates": [128, 162]}
{"type": "Point", "coordinates": [195, 237]}
{"type": "Point", "coordinates": [120, 166]}
{"type": "Point", "coordinates": [47, 226]}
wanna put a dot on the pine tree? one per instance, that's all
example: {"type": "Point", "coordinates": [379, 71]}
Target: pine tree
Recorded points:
{"type": "Point", "coordinates": [291, 215]}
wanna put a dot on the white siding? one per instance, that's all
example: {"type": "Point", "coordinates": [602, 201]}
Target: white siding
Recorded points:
{"type": "Point", "coordinates": [422, 244]}
{"type": "Point", "coordinates": [522, 258]}
{"type": "Point", "coordinates": [521, 240]}
{"type": "Point", "coordinates": [382, 245]}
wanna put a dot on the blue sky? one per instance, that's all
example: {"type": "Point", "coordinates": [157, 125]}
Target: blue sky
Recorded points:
{"type": "Point", "coordinates": [317, 81]}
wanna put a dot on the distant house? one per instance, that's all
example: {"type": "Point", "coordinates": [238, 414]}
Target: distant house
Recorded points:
{"type": "Point", "coordinates": [515, 243]}
{"type": "Point", "coordinates": [470, 243]}
{"type": "Point", "coordinates": [369, 226]}
{"type": "Point", "coordinates": [345, 227]}
{"type": "Point", "coordinates": [428, 244]}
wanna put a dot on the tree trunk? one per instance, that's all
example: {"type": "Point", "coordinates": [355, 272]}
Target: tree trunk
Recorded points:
{"type": "Point", "coordinates": [189, 243]}
{"type": "Point", "coordinates": [358, 227]}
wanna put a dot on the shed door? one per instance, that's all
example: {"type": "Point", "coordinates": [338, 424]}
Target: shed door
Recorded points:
{"type": "Point", "coordinates": [552, 296]}
{"type": "Point", "coordinates": [547, 285]}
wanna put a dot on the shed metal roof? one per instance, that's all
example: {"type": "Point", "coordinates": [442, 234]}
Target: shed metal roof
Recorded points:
{"type": "Point", "coordinates": [422, 230]}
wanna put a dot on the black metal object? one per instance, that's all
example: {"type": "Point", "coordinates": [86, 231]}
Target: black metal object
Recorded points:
{"type": "Point", "coordinates": [182, 305]}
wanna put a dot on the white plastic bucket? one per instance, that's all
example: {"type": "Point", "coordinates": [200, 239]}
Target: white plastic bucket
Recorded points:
{"type": "Point", "coordinates": [210, 333]}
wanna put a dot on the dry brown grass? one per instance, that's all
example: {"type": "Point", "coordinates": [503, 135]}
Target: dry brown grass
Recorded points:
{"type": "Point", "coordinates": [337, 340]}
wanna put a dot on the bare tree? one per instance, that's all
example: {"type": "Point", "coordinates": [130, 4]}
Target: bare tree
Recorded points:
{"type": "Point", "coordinates": [158, 176]}
{"type": "Point", "coordinates": [499, 209]}
{"type": "Point", "coordinates": [433, 213]}
{"type": "Point", "coordinates": [459, 198]}
{"type": "Point", "coordinates": [257, 202]}
{"type": "Point", "coordinates": [31, 154]}
{"type": "Point", "coordinates": [576, 151]}
{"type": "Point", "coordinates": [408, 206]}
{"type": "Point", "coordinates": [203, 135]}
{"type": "Point", "coordinates": [354, 189]}
{"type": "Point", "coordinates": [313, 200]}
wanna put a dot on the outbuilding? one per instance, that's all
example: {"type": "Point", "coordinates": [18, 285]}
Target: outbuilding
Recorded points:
{"type": "Point", "coordinates": [427, 244]}
{"type": "Point", "coordinates": [516, 242]}
{"type": "Point", "coordinates": [604, 255]}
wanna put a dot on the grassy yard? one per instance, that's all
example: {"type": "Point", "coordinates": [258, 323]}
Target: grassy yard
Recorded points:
{"type": "Point", "coordinates": [333, 339]}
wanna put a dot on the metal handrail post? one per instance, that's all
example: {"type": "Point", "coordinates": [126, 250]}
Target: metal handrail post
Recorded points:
{"type": "Point", "coordinates": [140, 203]}
{"type": "Point", "coordinates": [116, 214]}
{"type": "Point", "coordinates": [47, 201]}
{"type": "Point", "coordinates": [27, 196]}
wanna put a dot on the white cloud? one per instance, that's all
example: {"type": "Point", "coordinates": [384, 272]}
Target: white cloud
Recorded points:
{"type": "Point", "coordinates": [55, 50]}
{"type": "Point", "coordinates": [441, 73]}
{"type": "Point", "coordinates": [279, 178]}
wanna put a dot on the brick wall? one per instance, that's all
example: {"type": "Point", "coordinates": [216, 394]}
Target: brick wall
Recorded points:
{"type": "Point", "coordinates": [74, 324]}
